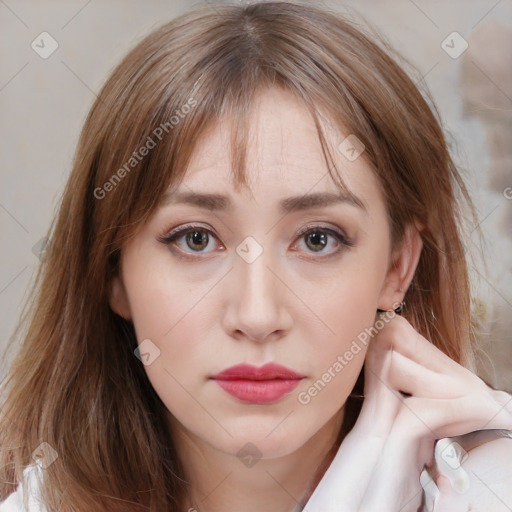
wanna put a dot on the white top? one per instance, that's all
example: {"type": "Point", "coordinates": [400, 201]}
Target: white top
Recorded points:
{"type": "Point", "coordinates": [14, 502]}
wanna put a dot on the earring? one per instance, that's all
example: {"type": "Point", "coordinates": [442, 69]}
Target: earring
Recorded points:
{"type": "Point", "coordinates": [400, 308]}
{"type": "Point", "coordinates": [397, 310]}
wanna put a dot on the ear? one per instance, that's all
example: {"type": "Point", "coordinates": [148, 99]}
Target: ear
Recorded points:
{"type": "Point", "coordinates": [401, 271]}
{"type": "Point", "coordinates": [118, 298]}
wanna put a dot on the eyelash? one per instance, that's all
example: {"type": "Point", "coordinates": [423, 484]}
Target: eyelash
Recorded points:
{"type": "Point", "coordinates": [169, 238]}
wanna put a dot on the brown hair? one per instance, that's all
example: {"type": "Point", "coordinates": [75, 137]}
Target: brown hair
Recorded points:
{"type": "Point", "coordinates": [76, 383]}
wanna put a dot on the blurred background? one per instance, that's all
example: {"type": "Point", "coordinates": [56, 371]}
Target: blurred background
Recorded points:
{"type": "Point", "coordinates": [56, 55]}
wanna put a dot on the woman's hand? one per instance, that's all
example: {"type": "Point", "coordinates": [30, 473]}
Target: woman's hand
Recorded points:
{"type": "Point", "coordinates": [414, 395]}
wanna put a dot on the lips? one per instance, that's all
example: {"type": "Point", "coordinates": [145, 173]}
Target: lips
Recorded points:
{"type": "Point", "coordinates": [263, 385]}
{"type": "Point", "coordinates": [270, 371]}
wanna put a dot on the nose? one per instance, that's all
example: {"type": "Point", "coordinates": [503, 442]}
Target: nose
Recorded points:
{"type": "Point", "coordinates": [256, 301]}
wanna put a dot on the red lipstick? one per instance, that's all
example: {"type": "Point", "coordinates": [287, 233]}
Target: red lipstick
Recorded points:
{"type": "Point", "coordinates": [254, 385]}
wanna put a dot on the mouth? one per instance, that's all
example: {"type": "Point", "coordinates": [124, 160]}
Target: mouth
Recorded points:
{"type": "Point", "coordinates": [264, 385]}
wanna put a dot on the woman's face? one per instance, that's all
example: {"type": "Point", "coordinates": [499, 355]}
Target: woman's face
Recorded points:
{"type": "Point", "coordinates": [274, 274]}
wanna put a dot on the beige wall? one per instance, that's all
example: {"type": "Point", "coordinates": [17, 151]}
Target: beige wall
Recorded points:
{"type": "Point", "coordinates": [44, 102]}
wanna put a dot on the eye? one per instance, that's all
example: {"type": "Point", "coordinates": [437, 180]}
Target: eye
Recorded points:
{"type": "Point", "coordinates": [195, 239]}
{"type": "Point", "coordinates": [318, 238]}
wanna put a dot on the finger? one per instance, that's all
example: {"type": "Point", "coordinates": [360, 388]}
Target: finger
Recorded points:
{"type": "Point", "coordinates": [438, 418]}
{"type": "Point", "coordinates": [399, 335]}
{"type": "Point", "coordinates": [389, 374]}
{"type": "Point", "coordinates": [408, 376]}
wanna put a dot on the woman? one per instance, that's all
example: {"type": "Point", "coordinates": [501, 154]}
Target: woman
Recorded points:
{"type": "Point", "coordinates": [260, 228]}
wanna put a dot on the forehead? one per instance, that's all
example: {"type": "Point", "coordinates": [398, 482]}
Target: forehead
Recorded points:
{"type": "Point", "coordinates": [284, 154]}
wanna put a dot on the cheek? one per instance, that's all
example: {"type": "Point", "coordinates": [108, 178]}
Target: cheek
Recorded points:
{"type": "Point", "coordinates": [160, 298]}
{"type": "Point", "coordinates": [346, 304]}
{"type": "Point", "coordinates": [169, 311]}
{"type": "Point", "coordinates": [347, 300]}
{"type": "Point", "coordinates": [338, 356]}
{"type": "Point", "coordinates": [174, 307]}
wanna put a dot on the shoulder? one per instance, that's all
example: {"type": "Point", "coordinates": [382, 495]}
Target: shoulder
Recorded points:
{"type": "Point", "coordinates": [15, 501]}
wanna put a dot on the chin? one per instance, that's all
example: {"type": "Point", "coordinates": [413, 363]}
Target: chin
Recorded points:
{"type": "Point", "coordinates": [268, 436]}
{"type": "Point", "coordinates": [247, 445]}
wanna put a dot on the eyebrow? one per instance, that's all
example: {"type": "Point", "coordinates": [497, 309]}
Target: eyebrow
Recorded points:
{"type": "Point", "coordinates": [221, 202]}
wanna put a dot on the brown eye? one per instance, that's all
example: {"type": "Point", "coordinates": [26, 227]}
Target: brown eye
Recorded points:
{"type": "Point", "coordinates": [316, 240]}
{"type": "Point", "coordinates": [323, 241]}
{"type": "Point", "coordinates": [197, 240]}
{"type": "Point", "coordinates": [190, 240]}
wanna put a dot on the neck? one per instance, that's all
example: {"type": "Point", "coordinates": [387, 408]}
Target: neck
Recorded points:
{"type": "Point", "coordinates": [221, 482]}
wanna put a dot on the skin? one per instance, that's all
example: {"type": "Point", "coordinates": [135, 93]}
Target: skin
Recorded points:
{"type": "Point", "coordinates": [382, 457]}
{"type": "Point", "coordinates": [288, 306]}
{"type": "Point", "coordinates": [291, 305]}
{"type": "Point", "coordinates": [380, 460]}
